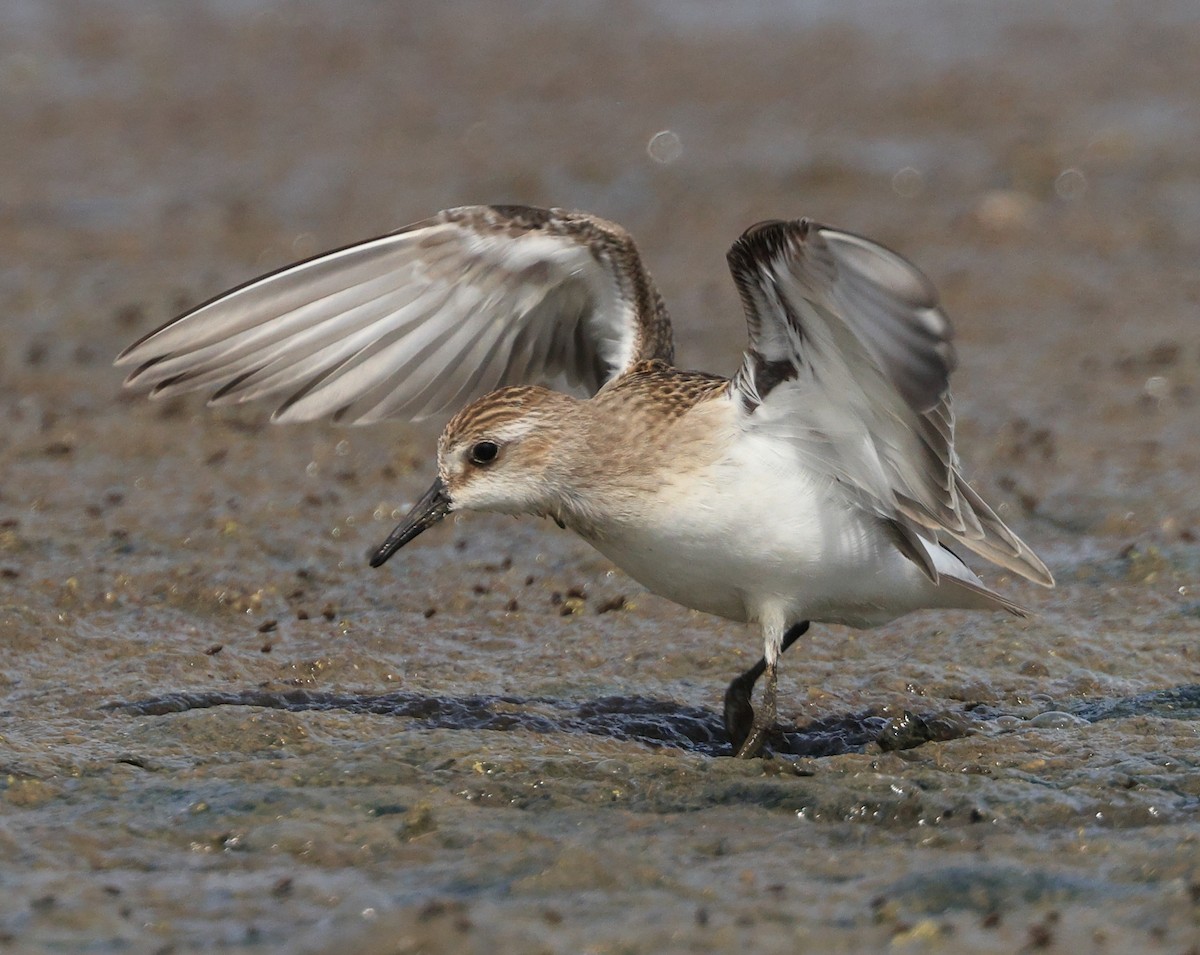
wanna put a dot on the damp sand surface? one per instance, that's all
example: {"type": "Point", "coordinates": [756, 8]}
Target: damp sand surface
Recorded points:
{"type": "Point", "coordinates": [221, 731]}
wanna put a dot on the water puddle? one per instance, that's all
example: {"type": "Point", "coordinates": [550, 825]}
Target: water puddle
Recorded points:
{"type": "Point", "coordinates": [655, 723]}
{"type": "Point", "coordinates": [662, 723]}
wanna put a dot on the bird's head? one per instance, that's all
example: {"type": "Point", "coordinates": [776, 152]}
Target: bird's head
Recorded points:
{"type": "Point", "coordinates": [500, 453]}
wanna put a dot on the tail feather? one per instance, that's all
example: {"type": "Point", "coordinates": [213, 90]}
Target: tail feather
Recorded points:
{"type": "Point", "coordinates": [989, 599]}
{"type": "Point", "coordinates": [992, 541]}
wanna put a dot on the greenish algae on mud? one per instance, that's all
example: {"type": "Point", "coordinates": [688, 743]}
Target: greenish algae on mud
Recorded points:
{"type": "Point", "coordinates": [461, 752]}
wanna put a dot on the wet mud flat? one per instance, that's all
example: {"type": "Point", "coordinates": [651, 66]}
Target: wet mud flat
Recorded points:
{"type": "Point", "coordinates": [219, 730]}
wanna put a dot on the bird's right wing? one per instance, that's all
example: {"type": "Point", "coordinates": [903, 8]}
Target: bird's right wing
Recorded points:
{"type": "Point", "coordinates": [421, 321]}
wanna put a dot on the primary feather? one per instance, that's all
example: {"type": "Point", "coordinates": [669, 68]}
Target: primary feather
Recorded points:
{"type": "Point", "coordinates": [420, 321]}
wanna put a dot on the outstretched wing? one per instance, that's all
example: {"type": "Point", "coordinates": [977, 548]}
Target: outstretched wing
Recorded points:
{"type": "Point", "coordinates": [850, 357]}
{"type": "Point", "coordinates": [421, 321]}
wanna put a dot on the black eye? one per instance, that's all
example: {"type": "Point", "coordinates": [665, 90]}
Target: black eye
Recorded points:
{"type": "Point", "coordinates": [484, 452]}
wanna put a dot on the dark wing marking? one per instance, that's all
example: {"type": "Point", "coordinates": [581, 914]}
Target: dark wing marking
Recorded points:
{"type": "Point", "coordinates": [850, 357]}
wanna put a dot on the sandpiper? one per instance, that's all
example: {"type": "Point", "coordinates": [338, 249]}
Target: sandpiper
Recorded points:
{"type": "Point", "coordinates": [819, 483]}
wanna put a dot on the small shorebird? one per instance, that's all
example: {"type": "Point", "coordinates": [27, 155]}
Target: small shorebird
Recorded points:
{"type": "Point", "coordinates": [819, 483]}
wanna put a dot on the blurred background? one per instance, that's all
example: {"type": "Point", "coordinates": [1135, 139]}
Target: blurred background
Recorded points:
{"type": "Point", "coordinates": [1037, 160]}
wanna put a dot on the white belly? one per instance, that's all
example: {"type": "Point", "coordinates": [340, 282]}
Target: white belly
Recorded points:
{"type": "Point", "coordinates": [754, 535]}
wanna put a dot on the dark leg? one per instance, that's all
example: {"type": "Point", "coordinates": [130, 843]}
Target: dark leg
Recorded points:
{"type": "Point", "coordinates": [739, 714]}
{"type": "Point", "coordinates": [763, 720]}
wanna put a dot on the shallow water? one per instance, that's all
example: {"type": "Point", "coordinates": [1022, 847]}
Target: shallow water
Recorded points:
{"type": "Point", "coordinates": [220, 729]}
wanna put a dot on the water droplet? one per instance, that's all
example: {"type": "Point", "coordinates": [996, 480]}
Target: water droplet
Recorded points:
{"type": "Point", "coordinates": [908, 183]}
{"type": "Point", "coordinates": [304, 245]}
{"type": "Point", "coordinates": [664, 147]}
{"type": "Point", "coordinates": [1057, 720]}
{"type": "Point", "coordinates": [1157, 387]}
{"type": "Point", "coordinates": [1070, 184]}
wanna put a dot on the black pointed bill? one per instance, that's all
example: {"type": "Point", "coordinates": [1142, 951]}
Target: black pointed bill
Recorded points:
{"type": "Point", "coordinates": [425, 513]}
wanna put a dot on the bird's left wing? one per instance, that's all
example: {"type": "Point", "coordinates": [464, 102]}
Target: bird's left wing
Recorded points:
{"type": "Point", "coordinates": [850, 358]}
{"type": "Point", "coordinates": [421, 321]}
